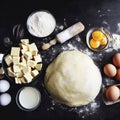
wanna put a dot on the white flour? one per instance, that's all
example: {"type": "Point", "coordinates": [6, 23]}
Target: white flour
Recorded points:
{"type": "Point", "coordinates": [108, 81]}
{"type": "Point", "coordinates": [88, 109]}
{"type": "Point", "coordinates": [114, 43]}
{"type": "Point", "coordinates": [118, 29]}
{"type": "Point", "coordinates": [39, 21]}
{"type": "Point", "coordinates": [83, 111]}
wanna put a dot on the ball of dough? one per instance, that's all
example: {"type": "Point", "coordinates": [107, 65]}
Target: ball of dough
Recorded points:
{"type": "Point", "coordinates": [73, 79]}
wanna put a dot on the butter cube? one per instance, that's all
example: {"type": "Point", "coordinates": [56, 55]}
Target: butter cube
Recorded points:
{"type": "Point", "coordinates": [33, 49]}
{"type": "Point", "coordinates": [23, 80]}
{"type": "Point", "coordinates": [23, 51]}
{"type": "Point", "coordinates": [31, 63]}
{"type": "Point", "coordinates": [16, 68]}
{"type": "Point", "coordinates": [34, 73]}
{"type": "Point", "coordinates": [26, 70]}
{"type": "Point", "coordinates": [8, 60]}
{"type": "Point", "coordinates": [1, 71]}
{"type": "Point", "coordinates": [21, 65]}
{"type": "Point", "coordinates": [16, 60]}
{"type": "Point", "coordinates": [15, 51]}
{"type": "Point", "coordinates": [19, 74]}
{"type": "Point", "coordinates": [28, 77]}
{"type": "Point", "coordinates": [10, 72]}
{"type": "Point", "coordinates": [28, 55]}
{"type": "Point", "coordinates": [24, 47]}
{"type": "Point", "coordinates": [23, 59]}
{"type": "Point", "coordinates": [38, 66]}
{"type": "Point", "coordinates": [18, 80]}
{"type": "Point", "coordinates": [25, 41]}
{"type": "Point", "coordinates": [38, 58]}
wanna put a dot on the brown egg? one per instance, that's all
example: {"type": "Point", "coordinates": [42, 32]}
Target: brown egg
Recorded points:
{"type": "Point", "coordinates": [116, 59]}
{"type": "Point", "coordinates": [110, 70]}
{"type": "Point", "coordinates": [112, 93]}
{"type": "Point", "coordinates": [117, 77]}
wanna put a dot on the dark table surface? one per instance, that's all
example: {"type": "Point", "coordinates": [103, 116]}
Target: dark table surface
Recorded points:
{"type": "Point", "coordinates": [92, 13]}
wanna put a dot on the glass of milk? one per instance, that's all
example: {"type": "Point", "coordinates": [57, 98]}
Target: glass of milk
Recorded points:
{"type": "Point", "coordinates": [28, 98]}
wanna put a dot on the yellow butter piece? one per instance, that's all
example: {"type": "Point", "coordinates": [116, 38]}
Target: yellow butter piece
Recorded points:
{"type": "Point", "coordinates": [38, 66]}
{"type": "Point", "coordinates": [10, 72]}
{"type": "Point", "coordinates": [26, 70]}
{"type": "Point", "coordinates": [23, 80]}
{"type": "Point", "coordinates": [8, 59]}
{"type": "Point", "coordinates": [19, 74]}
{"type": "Point", "coordinates": [33, 49]}
{"type": "Point", "coordinates": [34, 73]}
{"type": "Point", "coordinates": [24, 47]}
{"type": "Point", "coordinates": [15, 51]}
{"type": "Point", "coordinates": [28, 77]}
{"type": "Point", "coordinates": [18, 80]}
{"type": "Point", "coordinates": [25, 41]}
{"type": "Point", "coordinates": [28, 55]}
{"type": "Point", "coordinates": [16, 60]}
{"type": "Point", "coordinates": [1, 71]}
{"type": "Point", "coordinates": [31, 63]}
{"type": "Point", "coordinates": [16, 68]}
{"type": "Point", "coordinates": [38, 58]}
{"type": "Point", "coordinates": [23, 60]}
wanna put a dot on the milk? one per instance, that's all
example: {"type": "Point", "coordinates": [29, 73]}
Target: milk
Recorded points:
{"type": "Point", "coordinates": [28, 98]}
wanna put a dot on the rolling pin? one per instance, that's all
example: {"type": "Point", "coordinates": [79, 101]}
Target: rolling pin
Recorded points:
{"type": "Point", "coordinates": [65, 35]}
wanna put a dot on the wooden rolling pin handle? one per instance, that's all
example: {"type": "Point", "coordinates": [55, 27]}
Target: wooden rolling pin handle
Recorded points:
{"type": "Point", "coordinates": [48, 45]}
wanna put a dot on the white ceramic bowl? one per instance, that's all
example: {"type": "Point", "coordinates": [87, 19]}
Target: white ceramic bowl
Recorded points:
{"type": "Point", "coordinates": [28, 98]}
{"type": "Point", "coordinates": [41, 23]}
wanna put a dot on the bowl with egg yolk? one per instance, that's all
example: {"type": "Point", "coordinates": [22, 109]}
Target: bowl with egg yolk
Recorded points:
{"type": "Point", "coordinates": [97, 39]}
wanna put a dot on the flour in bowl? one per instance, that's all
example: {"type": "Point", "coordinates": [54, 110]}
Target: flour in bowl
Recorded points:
{"type": "Point", "coordinates": [41, 24]}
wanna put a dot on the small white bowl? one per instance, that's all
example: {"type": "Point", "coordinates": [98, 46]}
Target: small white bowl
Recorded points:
{"type": "Point", "coordinates": [28, 98]}
{"type": "Point", "coordinates": [41, 23]}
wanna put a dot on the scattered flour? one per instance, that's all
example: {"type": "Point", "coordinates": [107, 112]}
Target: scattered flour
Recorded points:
{"type": "Point", "coordinates": [99, 11]}
{"type": "Point", "coordinates": [108, 81]}
{"type": "Point", "coordinates": [83, 111]}
{"type": "Point", "coordinates": [114, 43]}
{"type": "Point", "coordinates": [103, 13]}
{"type": "Point", "coordinates": [59, 28]}
{"type": "Point", "coordinates": [65, 23]}
{"type": "Point", "coordinates": [77, 38]}
{"type": "Point", "coordinates": [105, 24]}
{"type": "Point", "coordinates": [118, 29]}
{"type": "Point", "coordinates": [89, 109]}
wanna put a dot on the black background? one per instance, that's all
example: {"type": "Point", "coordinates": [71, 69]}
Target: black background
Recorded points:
{"type": "Point", "coordinates": [92, 13]}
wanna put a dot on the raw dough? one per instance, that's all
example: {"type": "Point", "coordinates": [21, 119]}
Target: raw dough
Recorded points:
{"type": "Point", "coordinates": [73, 79]}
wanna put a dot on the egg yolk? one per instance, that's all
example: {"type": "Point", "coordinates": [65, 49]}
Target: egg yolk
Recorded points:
{"type": "Point", "coordinates": [97, 35]}
{"type": "Point", "coordinates": [103, 41]}
{"type": "Point", "coordinates": [94, 43]}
